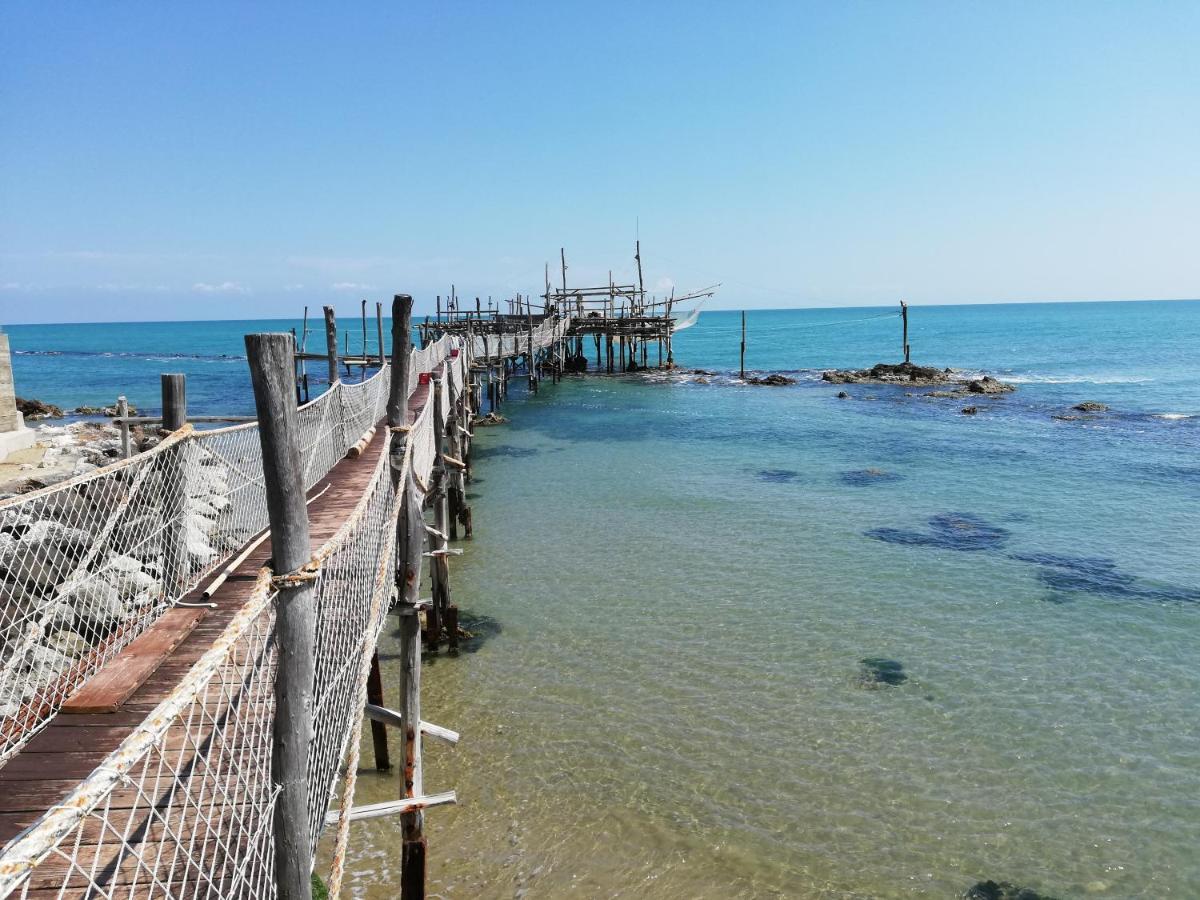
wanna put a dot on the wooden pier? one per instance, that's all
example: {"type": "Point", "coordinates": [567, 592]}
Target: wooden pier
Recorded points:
{"type": "Point", "coordinates": [197, 739]}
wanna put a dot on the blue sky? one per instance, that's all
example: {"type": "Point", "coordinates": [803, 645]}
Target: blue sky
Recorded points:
{"type": "Point", "coordinates": [171, 161]}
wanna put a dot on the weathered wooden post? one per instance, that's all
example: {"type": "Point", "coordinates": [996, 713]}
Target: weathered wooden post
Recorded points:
{"type": "Point", "coordinates": [410, 540]}
{"type": "Point", "coordinates": [904, 317]}
{"type": "Point", "coordinates": [379, 328]}
{"type": "Point", "coordinates": [364, 344]}
{"type": "Point", "coordinates": [174, 401]}
{"type": "Point", "coordinates": [175, 555]}
{"type": "Point", "coordinates": [123, 413]}
{"type": "Point", "coordinates": [269, 356]}
{"type": "Point", "coordinates": [742, 358]}
{"type": "Point", "coordinates": [331, 345]}
{"type": "Point", "coordinates": [440, 565]}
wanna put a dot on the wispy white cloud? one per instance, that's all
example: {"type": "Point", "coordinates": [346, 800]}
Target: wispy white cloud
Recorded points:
{"type": "Point", "coordinates": [118, 288]}
{"type": "Point", "coordinates": [351, 286]}
{"type": "Point", "coordinates": [225, 287]}
{"type": "Point", "coordinates": [16, 286]}
{"type": "Point", "coordinates": [290, 288]}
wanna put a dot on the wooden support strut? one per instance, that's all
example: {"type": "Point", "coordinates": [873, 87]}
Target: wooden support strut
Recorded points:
{"type": "Point", "coordinates": [410, 539]}
{"type": "Point", "coordinates": [269, 356]}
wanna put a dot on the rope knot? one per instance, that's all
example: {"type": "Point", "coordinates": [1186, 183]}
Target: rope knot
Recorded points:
{"type": "Point", "coordinates": [310, 571]}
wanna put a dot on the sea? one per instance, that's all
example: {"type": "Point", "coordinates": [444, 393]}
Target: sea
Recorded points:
{"type": "Point", "coordinates": [765, 641]}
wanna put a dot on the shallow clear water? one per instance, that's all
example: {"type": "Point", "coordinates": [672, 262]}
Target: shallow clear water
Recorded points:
{"type": "Point", "coordinates": [674, 582]}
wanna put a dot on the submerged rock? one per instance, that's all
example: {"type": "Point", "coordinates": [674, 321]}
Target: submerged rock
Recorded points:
{"type": "Point", "coordinates": [777, 475]}
{"type": "Point", "coordinates": [1002, 890]}
{"type": "Point", "coordinates": [842, 395]}
{"type": "Point", "coordinates": [492, 418]}
{"type": "Point", "coordinates": [1065, 574]}
{"type": "Point", "coordinates": [970, 410]}
{"type": "Point", "coordinates": [877, 670]}
{"type": "Point", "coordinates": [1090, 406]}
{"type": "Point", "coordinates": [948, 531]}
{"type": "Point", "coordinates": [863, 477]}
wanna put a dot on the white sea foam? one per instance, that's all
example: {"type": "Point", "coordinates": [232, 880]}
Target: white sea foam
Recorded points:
{"type": "Point", "coordinates": [1174, 416]}
{"type": "Point", "coordinates": [1034, 378]}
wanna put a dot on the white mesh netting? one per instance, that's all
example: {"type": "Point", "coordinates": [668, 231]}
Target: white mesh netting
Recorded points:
{"type": "Point", "coordinates": [183, 807]}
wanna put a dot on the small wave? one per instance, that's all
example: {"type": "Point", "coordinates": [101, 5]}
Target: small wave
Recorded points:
{"type": "Point", "coordinates": [1034, 378]}
{"type": "Point", "coordinates": [1173, 416]}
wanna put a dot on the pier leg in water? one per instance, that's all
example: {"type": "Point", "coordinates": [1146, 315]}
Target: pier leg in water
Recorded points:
{"type": "Point", "coordinates": [378, 730]}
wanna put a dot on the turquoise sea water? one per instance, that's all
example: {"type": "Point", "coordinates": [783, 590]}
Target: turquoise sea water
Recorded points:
{"type": "Point", "coordinates": [674, 581]}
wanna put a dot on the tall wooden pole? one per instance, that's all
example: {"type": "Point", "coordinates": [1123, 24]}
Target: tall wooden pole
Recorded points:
{"type": "Point", "coordinates": [904, 317]}
{"type": "Point", "coordinates": [174, 406]}
{"type": "Point", "coordinates": [742, 363]}
{"type": "Point", "coordinates": [439, 564]}
{"type": "Point", "coordinates": [379, 330]}
{"type": "Point", "coordinates": [331, 345]}
{"type": "Point", "coordinates": [410, 539]}
{"type": "Point", "coordinates": [296, 616]}
{"type": "Point", "coordinates": [397, 408]}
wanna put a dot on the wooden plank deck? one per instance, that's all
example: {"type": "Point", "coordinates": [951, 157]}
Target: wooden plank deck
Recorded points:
{"type": "Point", "coordinates": [54, 762]}
{"type": "Point", "coordinates": [72, 745]}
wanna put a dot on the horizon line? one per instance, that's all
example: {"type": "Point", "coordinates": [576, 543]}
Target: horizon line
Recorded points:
{"type": "Point", "coordinates": [910, 303]}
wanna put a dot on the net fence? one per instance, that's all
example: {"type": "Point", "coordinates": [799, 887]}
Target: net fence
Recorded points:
{"type": "Point", "coordinates": [499, 346]}
{"type": "Point", "coordinates": [183, 807]}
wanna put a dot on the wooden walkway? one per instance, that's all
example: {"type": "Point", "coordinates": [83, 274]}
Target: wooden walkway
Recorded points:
{"type": "Point", "coordinates": [67, 750]}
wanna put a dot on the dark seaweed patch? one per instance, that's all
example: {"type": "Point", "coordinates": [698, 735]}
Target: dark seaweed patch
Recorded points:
{"type": "Point", "coordinates": [1097, 575]}
{"type": "Point", "coordinates": [948, 531]}
{"type": "Point", "coordinates": [1002, 890]}
{"type": "Point", "coordinates": [864, 477]}
{"type": "Point", "coordinates": [507, 450]}
{"type": "Point", "coordinates": [877, 670]}
{"type": "Point", "coordinates": [781, 476]}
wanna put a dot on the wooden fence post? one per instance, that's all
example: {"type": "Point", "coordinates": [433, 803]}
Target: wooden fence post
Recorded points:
{"type": "Point", "coordinates": [270, 357]}
{"type": "Point", "coordinates": [122, 412]}
{"type": "Point", "coordinates": [175, 555]}
{"type": "Point", "coordinates": [331, 345]}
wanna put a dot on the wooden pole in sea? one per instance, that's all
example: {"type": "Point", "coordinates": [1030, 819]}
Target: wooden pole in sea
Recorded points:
{"type": "Point", "coordinates": [379, 329]}
{"type": "Point", "coordinates": [410, 541]}
{"type": "Point", "coordinates": [440, 567]}
{"type": "Point", "coordinates": [175, 557]}
{"type": "Point", "coordinates": [904, 319]}
{"type": "Point", "coordinates": [742, 358]}
{"type": "Point", "coordinates": [269, 356]}
{"type": "Point", "coordinates": [331, 349]}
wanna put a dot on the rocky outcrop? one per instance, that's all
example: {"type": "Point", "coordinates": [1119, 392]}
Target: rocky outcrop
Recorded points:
{"type": "Point", "coordinates": [33, 410]}
{"type": "Point", "coordinates": [989, 385]}
{"type": "Point", "coordinates": [775, 380]}
{"type": "Point", "coordinates": [1090, 406]}
{"type": "Point", "coordinates": [911, 375]}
